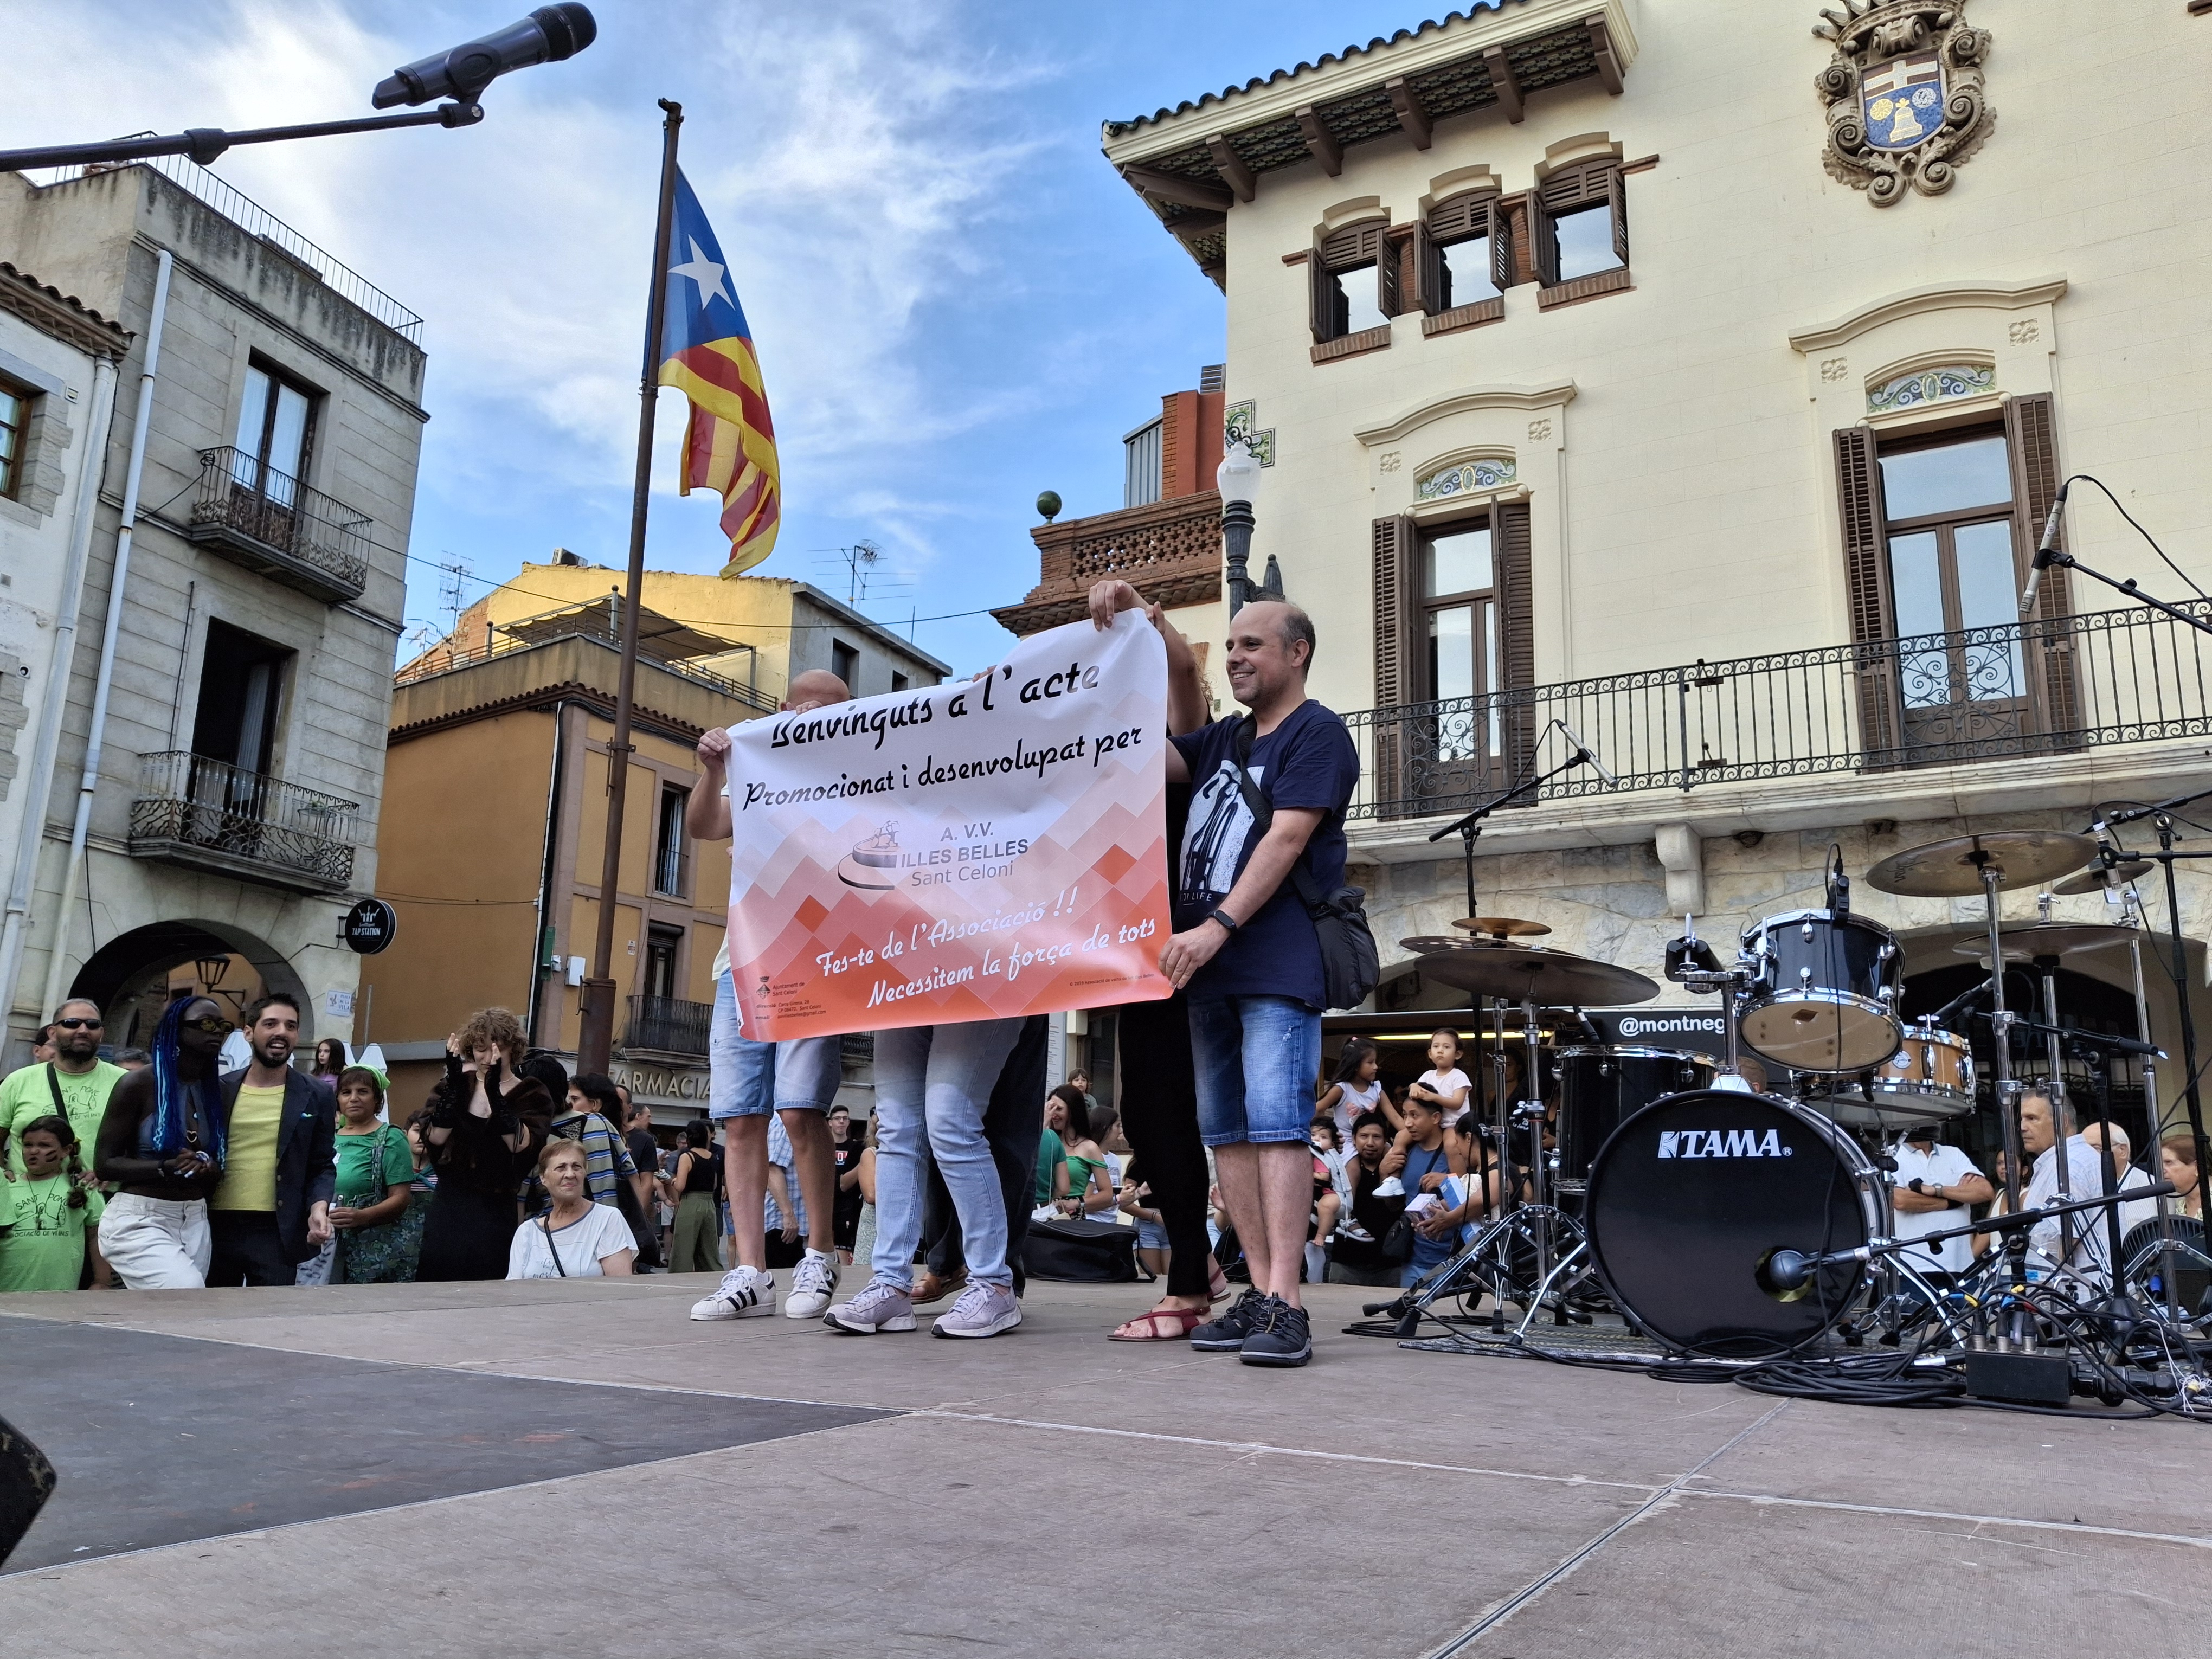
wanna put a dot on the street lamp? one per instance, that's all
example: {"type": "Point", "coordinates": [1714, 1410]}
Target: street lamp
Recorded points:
{"type": "Point", "coordinates": [460, 76]}
{"type": "Point", "coordinates": [1235, 478]}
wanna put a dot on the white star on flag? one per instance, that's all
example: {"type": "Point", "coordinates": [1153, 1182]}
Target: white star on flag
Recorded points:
{"type": "Point", "coordinates": [705, 276]}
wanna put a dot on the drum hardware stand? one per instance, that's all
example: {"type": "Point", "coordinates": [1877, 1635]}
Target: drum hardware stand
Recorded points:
{"type": "Point", "coordinates": [2132, 912]}
{"type": "Point", "coordinates": [2008, 1092]}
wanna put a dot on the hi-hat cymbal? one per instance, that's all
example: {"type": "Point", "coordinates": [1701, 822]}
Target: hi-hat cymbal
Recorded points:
{"type": "Point", "coordinates": [1422, 945]}
{"type": "Point", "coordinates": [2097, 879]}
{"type": "Point", "coordinates": [1953, 868]}
{"type": "Point", "coordinates": [1530, 973]}
{"type": "Point", "coordinates": [2024, 942]}
{"type": "Point", "coordinates": [1501, 927]}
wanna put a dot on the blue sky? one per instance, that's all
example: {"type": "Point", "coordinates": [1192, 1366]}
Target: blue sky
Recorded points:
{"type": "Point", "coordinates": [956, 302]}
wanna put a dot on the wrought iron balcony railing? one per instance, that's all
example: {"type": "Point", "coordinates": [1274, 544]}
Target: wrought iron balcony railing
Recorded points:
{"type": "Point", "coordinates": [2041, 687]}
{"type": "Point", "coordinates": [269, 521]}
{"type": "Point", "coordinates": [209, 815]}
{"type": "Point", "coordinates": [668, 1026]}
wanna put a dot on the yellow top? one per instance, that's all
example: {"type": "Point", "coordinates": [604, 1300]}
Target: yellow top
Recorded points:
{"type": "Point", "coordinates": [249, 1171]}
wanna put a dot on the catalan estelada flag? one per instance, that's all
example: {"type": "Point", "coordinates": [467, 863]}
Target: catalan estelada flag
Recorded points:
{"type": "Point", "coordinates": [707, 352]}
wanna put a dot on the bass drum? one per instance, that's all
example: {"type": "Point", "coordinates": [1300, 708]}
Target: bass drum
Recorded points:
{"type": "Point", "coordinates": [1692, 1195]}
{"type": "Point", "coordinates": [1600, 1089]}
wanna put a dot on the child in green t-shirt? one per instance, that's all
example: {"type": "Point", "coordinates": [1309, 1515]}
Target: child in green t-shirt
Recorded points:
{"type": "Point", "coordinates": [55, 1212]}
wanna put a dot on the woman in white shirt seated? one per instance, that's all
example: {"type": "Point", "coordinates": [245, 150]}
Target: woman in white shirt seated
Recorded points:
{"type": "Point", "coordinates": [576, 1238]}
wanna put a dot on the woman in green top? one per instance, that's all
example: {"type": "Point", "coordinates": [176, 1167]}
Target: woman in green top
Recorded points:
{"type": "Point", "coordinates": [1090, 1190]}
{"type": "Point", "coordinates": [379, 1229]}
{"type": "Point", "coordinates": [56, 1218]}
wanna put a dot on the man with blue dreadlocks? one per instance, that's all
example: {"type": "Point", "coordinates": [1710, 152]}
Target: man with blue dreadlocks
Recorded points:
{"type": "Point", "coordinates": [163, 1141]}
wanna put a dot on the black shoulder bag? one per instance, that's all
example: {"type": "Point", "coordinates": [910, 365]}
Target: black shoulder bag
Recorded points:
{"type": "Point", "coordinates": [1350, 966]}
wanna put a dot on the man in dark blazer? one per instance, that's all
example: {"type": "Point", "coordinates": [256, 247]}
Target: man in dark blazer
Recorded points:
{"type": "Point", "coordinates": [273, 1208]}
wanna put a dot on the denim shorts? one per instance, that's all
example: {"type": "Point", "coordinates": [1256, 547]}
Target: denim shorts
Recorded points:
{"type": "Point", "coordinates": [1257, 1061]}
{"type": "Point", "coordinates": [746, 1079]}
{"type": "Point", "coordinates": [1152, 1235]}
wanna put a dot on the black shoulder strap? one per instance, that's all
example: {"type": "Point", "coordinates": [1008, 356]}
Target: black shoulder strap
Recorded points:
{"type": "Point", "coordinates": [54, 1083]}
{"type": "Point", "coordinates": [1263, 814]}
{"type": "Point", "coordinates": [546, 1222]}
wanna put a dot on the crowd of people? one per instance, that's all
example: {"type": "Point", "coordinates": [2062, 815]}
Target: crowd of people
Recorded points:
{"type": "Point", "coordinates": [1223, 1159]}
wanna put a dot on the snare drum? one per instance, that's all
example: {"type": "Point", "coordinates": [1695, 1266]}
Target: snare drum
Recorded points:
{"type": "Point", "coordinates": [1601, 1088]}
{"type": "Point", "coordinates": [1930, 1076]}
{"type": "Point", "coordinates": [1824, 992]}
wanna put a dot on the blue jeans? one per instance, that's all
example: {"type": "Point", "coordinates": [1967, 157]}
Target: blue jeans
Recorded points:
{"type": "Point", "coordinates": [1257, 1060]}
{"type": "Point", "coordinates": [932, 1083]}
{"type": "Point", "coordinates": [747, 1078]}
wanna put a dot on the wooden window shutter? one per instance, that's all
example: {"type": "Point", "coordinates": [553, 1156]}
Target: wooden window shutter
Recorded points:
{"type": "Point", "coordinates": [1866, 581]}
{"type": "Point", "coordinates": [1616, 196]}
{"type": "Point", "coordinates": [1429, 294]}
{"type": "Point", "coordinates": [2032, 444]}
{"type": "Point", "coordinates": [1516, 633]}
{"type": "Point", "coordinates": [1394, 545]}
{"type": "Point", "coordinates": [1325, 299]}
{"type": "Point", "coordinates": [1501, 243]}
{"type": "Point", "coordinates": [1543, 246]}
{"type": "Point", "coordinates": [1389, 290]}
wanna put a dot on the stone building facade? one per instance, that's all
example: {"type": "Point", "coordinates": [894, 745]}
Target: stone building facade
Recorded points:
{"type": "Point", "coordinates": [1701, 376]}
{"type": "Point", "coordinates": [233, 814]}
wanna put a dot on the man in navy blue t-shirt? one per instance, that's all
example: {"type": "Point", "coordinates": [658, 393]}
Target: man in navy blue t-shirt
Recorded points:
{"type": "Point", "coordinates": [1246, 948]}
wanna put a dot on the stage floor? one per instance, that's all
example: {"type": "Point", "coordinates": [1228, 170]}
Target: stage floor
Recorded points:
{"type": "Point", "coordinates": [576, 1468]}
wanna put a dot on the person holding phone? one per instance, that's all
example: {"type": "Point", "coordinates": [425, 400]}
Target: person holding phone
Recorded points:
{"type": "Point", "coordinates": [488, 1124]}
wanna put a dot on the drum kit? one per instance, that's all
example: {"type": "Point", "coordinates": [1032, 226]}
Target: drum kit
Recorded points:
{"type": "Point", "coordinates": [1736, 1220]}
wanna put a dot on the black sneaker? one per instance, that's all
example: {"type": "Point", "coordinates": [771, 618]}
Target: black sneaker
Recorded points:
{"type": "Point", "coordinates": [1282, 1336]}
{"type": "Point", "coordinates": [1226, 1334]}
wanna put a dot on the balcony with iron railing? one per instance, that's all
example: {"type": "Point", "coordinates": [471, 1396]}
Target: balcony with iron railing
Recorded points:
{"type": "Point", "coordinates": [667, 1025]}
{"type": "Point", "coordinates": [207, 815]}
{"type": "Point", "coordinates": [2045, 687]}
{"type": "Point", "coordinates": [450, 655]}
{"type": "Point", "coordinates": [1170, 549]}
{"type": "Point", "coordinates": [271, 522]}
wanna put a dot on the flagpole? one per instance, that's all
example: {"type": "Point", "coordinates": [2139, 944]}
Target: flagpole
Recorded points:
{"type": "Point", "coordinates": [595, 1040]}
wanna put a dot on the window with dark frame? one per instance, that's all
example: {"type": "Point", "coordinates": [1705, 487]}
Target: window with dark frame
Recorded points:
{"type": "Point", "coordinates": [1463, 257]}
{"type": "Point", "coordinates": [1459, 625]}
{"type": "Point", "coordinates": [671, 853]}
{"type": "Point", "coordinates": [1578, 227]}
{"type": "Point", "coordinates": [241, 698]}
{"type": "Point", "coordinates": [845, 663]}
{"type": "Point", "coordinates": [1354, 273]}
{"type": "Point", "coordinates": [276, 433]}
{"type": "Point", "coordinates": [662, 947]}
{"type": "Point", "coordinates": [14, 427]}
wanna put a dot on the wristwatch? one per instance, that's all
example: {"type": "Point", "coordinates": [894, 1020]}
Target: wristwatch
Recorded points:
{"type": "Point", "coordinates": [1223, 918]}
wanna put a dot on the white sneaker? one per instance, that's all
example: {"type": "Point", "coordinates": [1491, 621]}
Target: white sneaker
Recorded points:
{"type": "Point", "coordinates": [982, 1311]}
{"type": "Point", "coordinates": [879, 1307]}
{"type": "Point", "coordinates": [744, 1293]}
{"type": "Point", "coordinates": [813, 1285]}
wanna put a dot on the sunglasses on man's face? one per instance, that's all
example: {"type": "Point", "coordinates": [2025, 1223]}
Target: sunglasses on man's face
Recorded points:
{"type": "Point", "coordinates": [214, 1025]}
{"type": "Point", "coordinates": [77, 1025]}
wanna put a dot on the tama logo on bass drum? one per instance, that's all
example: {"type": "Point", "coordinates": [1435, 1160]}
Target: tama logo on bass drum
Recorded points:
{"type": "Point", "coordinates": [1722, 1143]}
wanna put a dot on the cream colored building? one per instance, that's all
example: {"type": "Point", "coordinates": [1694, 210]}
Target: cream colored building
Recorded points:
{"type": "Point", "coordinates": [1578, 310]}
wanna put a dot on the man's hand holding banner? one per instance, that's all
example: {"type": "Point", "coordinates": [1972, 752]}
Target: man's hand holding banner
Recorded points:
{"type": "Point", "coordinates": [975, 850]}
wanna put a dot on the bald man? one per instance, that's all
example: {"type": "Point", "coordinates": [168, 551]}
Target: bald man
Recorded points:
{"type": "Point", "coordinates": [2123, 1172]}
{"type": "Point", "coordinates": [747, 1080]}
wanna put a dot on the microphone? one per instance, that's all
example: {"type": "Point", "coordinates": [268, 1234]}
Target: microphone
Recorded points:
{"type": "Point", "coordinates": [547, 35]}
{"type": "Point", "coordinates": [1787, 1270]}
{"type": "Point", "coordinates": [1588, 753]}
{"type": "Point", "coordinates": [2045, 549]}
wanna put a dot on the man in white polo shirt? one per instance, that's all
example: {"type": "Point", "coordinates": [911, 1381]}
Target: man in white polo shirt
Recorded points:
{"type": "Point", "coordinates": [1936, 1184]}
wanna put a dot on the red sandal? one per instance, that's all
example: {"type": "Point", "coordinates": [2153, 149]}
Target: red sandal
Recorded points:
{"type": "Point", "coordinates": [1183, 1322]}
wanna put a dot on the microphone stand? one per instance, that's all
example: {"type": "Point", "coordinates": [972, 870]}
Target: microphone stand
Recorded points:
{"type": "Point", "coordinates": [204, 144]}
{"type": "Point", "coordinates": [1467, 827]}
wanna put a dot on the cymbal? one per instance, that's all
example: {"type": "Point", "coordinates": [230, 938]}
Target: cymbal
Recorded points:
{"type": "Point", "coordinates": [1529, 972]}
{"type": "Point", "coordinates": [1953, 868]}
{"type": "Point", "coordinates": [1501, 927]}
{"type": "Point", "coordinates": [1427, 944]}
{"type": "Point", "coordinates": [2024, 942]}
{"type": "Point", "coordinates": [2097, 878]}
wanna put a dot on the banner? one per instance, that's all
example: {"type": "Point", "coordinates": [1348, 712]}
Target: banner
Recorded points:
{"type": "Point", "coordinates": [976, 850]}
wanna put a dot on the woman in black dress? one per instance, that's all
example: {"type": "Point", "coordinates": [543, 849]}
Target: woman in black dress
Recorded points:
{"type": "Point", "coordinates": [486, 1125]}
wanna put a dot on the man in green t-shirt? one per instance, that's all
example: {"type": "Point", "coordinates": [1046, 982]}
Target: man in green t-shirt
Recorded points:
{"type": "Point", "coordinates": [74, 1083]}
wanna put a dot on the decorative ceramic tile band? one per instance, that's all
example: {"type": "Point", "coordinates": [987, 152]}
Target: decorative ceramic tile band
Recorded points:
{"type": "Point", "coordinates": [1931, 385]}
{"type": "Point", "coordinates": [1237, 422]}
{"type": "Point", "coordinates": [1464, 477]}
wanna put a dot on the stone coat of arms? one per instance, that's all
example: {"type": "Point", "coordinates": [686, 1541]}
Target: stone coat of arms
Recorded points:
{"type": "Point", "coordinates": [1904, 94]}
